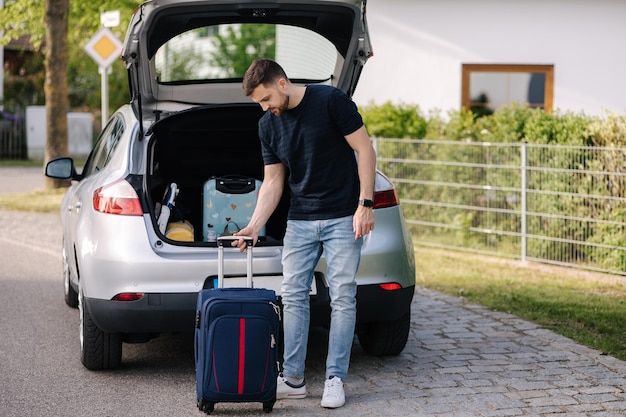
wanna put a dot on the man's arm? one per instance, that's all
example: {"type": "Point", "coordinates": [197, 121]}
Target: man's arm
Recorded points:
{"type": "Point", "coordinates": [359, 140]}
{"type": "Point", "coordinates": [267, 201]}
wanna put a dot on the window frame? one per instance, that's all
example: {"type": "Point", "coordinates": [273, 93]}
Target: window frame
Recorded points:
{"type": "Point", "coordinates": [546, 69]}
{"type": "Point", "coordinates": [105, 145]}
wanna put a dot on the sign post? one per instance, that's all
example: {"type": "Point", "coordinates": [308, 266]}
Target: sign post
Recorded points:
{"type": "Point", "coordinates": [104, 48]}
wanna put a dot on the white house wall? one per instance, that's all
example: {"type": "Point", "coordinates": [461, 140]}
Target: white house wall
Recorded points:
{"type": "Point", "coordinates": [420, 45]}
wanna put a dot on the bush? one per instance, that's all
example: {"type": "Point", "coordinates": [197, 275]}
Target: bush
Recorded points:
{"type": "Point", "coordinates": [461, 126]}
{"type": "Point", "coordinates": [508, 124]}
{"type": "Point", "coordinates": [609, 131]}
{"type": "Point", "coordinates": [391, 121]}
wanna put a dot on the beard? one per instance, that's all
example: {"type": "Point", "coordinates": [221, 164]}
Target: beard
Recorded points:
{"type": "Point", "coordinates": [283, 106]}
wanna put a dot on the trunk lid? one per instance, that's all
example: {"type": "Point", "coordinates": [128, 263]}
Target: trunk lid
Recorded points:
{"type": "Point", "coordinates": [184, 53]}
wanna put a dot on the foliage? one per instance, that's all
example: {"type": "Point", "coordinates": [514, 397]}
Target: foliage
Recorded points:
{"type": "Point", "coordinates": [391, 121]}
{"type": "Point", "coordinates": [23, 18]}
{"type": "Point", "coordinates": [84, 22]}
{"type": "Point", "coordinates": [555, 128]}
{"type": "Point", "coordinates": [26, 18]}
{"type": "Point", "coordinates": [435, 125]}
{"type": "Point", "coordinates": [508, 124]}
{"type": "Point", "coordinates": [240, 46]}
{"type": "Point", "coordinates": [25, 89]}
{"type": "Point", "coordinates": [461, 125]}
{"type": "Point", "coordinates": [610, 131]}
{"type": "Point", "coordinates": [181, 64]}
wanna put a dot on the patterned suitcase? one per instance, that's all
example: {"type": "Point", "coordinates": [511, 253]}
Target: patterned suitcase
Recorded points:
{"type": "Point", "coordinates": [236, 342]}
{"type": "Point", "coordinates": [229, 202]}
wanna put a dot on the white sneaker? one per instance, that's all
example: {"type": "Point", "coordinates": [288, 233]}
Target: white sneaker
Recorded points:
{"type": "Point", "coordinates": [334, 396]}
{"type": "Point", "coordinates": [288, 390]}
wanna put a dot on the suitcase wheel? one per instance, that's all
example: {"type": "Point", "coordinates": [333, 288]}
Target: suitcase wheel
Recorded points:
{"type": "Point", "coordinates": [206, 406]}
{"type": "Point", "coordinates": [268, 406]}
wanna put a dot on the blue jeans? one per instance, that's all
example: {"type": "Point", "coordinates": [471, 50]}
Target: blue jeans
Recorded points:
{"type": "Point", "coordinates": [304, 242]}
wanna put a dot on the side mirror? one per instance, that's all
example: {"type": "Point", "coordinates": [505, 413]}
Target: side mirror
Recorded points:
{"type": "Point", "coordinates": [62, 168]}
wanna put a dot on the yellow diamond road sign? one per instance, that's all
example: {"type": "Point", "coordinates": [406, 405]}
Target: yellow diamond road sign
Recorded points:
{"type": "Point", "coordinates": [104, 48]}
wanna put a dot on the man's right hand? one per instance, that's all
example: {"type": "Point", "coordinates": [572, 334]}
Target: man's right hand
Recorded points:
{"type": "Point", "coordinates": [241, 243]}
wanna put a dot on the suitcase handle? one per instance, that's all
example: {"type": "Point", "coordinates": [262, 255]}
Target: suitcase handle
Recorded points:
{"type": "Point", "coordinates": [220, 258]}
{"type": "Point", "coordinates": [248, 239]}
{"type": "Point", "coordinates": [234, 185]}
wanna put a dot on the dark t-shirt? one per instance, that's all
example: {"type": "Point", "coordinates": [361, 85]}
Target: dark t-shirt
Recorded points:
{"type": "Point", "coordinates": [310, 141]}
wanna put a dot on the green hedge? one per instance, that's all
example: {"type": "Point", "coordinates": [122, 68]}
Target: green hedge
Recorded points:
{"type": "Point", "coordinates": [508, 124]}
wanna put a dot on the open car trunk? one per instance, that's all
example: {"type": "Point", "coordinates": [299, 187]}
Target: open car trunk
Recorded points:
{"type": "Point", "coordinates": [197, 145]}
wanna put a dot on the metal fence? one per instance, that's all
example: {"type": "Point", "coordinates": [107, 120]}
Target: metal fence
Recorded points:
{"type": "Point", "coordinates": [13, 139]}
{"type": "Point", "coordinates": [563, 205]}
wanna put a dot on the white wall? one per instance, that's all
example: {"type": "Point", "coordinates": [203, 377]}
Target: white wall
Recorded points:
{"type": "Point", "coordinates": [419, 46]}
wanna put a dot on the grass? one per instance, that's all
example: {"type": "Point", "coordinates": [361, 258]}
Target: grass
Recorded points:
{"type": "Point", "coordinates": [42, 201]}
{"type": "Point", "coordinates": [587, 307]}
{"type": "Point", "coordinates": [21, 163]}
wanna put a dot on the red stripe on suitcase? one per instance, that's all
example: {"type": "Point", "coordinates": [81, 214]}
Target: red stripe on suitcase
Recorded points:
{"type": "Point", "coordinates": [242, 354]}
{"type": "Point", "coordinates": [217, 384]}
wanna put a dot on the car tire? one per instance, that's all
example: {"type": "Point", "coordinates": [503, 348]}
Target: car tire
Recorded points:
{"type": "Point", "coordinates": [385, 338]}
{"type": "Point", "coordinates": [99, 350]}
{"type": "Point", "coordinates": [71, 296]}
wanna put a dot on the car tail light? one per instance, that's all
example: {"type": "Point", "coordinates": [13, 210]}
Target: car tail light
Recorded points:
{"type": "Point", "coordinates": [391, 286]}
{"type": "Point", "coordinates": [386, 198]}
{"type": "Point", "coordinates": [128, 296]}
{"type": "Point", "coordinates": [117, 198]}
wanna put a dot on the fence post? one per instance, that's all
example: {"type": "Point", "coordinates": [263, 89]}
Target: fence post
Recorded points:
{"type": "Point", "coordinates": [524, 186]}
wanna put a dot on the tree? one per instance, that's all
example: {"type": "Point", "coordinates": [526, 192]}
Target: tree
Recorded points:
{"type": "Point", "coordinates": [240, 45]}
{"type": "Point", "coordinates": [55, 86]}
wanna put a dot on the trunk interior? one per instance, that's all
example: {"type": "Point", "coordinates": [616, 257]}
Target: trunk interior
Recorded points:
{"type": "Point", "coordinates": [195, 146]}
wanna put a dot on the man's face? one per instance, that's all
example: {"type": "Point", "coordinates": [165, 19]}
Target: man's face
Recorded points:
{"type": "Point", "coordinates": [272, 97]}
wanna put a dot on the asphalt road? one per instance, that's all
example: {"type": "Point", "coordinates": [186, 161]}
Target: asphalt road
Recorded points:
{"type": "Point", "coordinates": [461, 359]}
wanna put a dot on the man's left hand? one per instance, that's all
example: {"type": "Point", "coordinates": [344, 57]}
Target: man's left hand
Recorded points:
{"type": "Point", "coordinates": [363, 221]}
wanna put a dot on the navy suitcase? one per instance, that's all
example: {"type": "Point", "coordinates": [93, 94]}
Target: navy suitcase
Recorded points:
{"type": "Point", "coordinates": [236, 343]}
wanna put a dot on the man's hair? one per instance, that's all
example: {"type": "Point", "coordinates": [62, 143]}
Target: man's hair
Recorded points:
{"type": "Point", "coordinates": [262, 71]}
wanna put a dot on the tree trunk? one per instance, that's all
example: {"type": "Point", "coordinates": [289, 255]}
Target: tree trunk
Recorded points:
{"type": "Point", "coordinates": [55, 87]}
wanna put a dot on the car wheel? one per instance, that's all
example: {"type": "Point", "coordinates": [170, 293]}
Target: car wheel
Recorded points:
{"type": "Point", "coordinates": [71, 296]}
{"type": "Point", "coordinates": [385, 338]}
{"type": "Point", "coordinates": [99, 350]}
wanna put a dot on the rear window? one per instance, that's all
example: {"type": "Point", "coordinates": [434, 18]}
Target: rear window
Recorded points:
{"type": "Point", "coordinates": [224, 52]}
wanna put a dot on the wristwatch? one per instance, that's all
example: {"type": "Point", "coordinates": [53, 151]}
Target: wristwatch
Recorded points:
{"type": "Point", "coordinates": [366, 203]}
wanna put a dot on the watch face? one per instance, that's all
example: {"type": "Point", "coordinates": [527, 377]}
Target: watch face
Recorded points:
{"type": "Point", "coordinates": [366, 203]}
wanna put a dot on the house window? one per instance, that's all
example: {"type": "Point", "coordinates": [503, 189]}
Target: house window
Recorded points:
{"type": "Point", "coordinates": [486, 87]}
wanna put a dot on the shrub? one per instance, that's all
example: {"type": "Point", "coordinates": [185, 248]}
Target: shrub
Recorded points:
{"type": "Point", "coordinates": [507, 124]}
{"type": "Point", "coordinates": [609, 131]}
{"type": "Point", "coordinates": [394, 121]}
{"type": "Point", "coordinates": [461, 126]}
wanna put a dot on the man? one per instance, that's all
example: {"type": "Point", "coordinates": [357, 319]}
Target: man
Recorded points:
{"type": "Point", "coordinates": [309, 136]}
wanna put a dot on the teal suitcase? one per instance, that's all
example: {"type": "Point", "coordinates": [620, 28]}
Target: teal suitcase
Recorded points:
{"type": "Point", "coordinates": [229, 202]}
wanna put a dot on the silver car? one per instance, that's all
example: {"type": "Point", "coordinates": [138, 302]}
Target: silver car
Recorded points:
{"type": "Point", "coordinates": [188, 122]}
